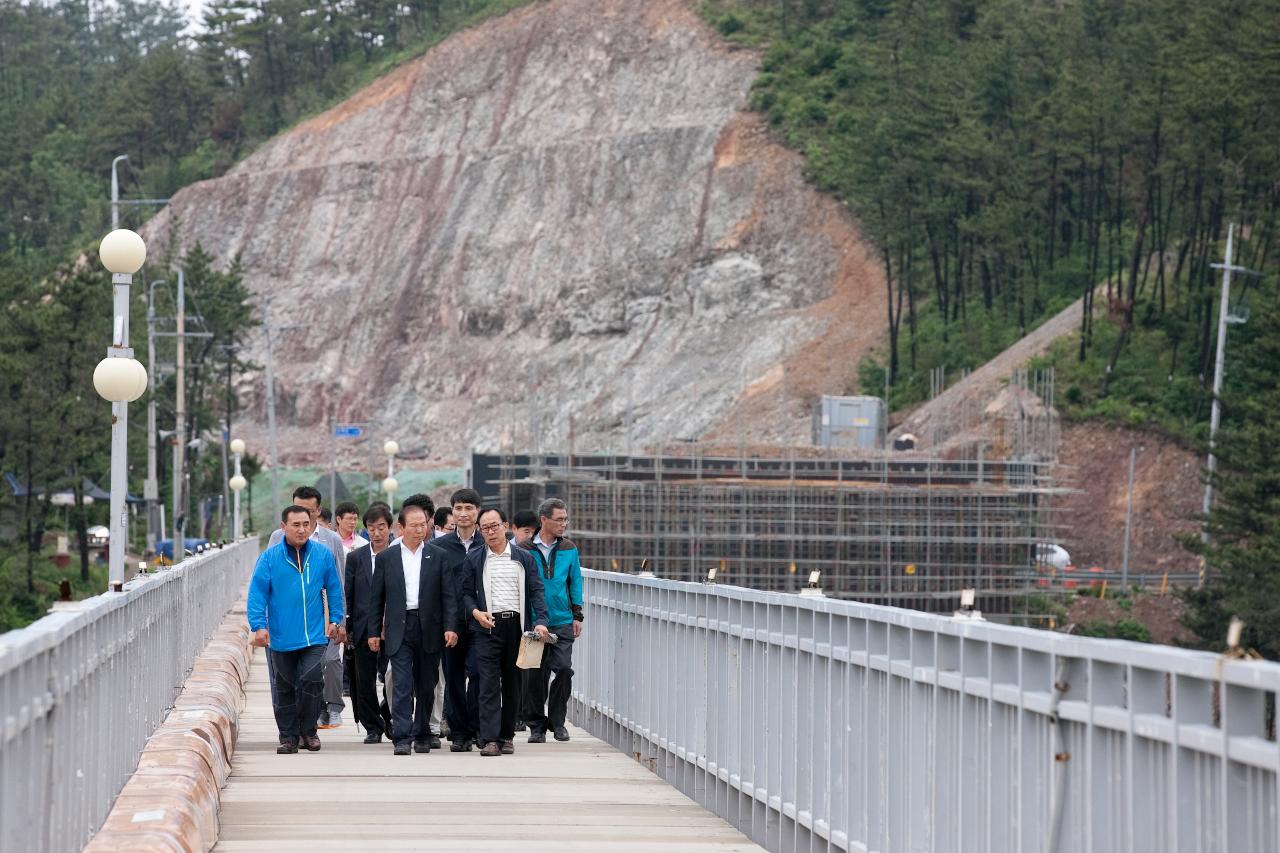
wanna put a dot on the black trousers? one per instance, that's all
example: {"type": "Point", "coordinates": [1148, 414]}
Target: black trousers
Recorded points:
{"type": "Point", "coordinates": [496, 653]}
{"type": "Point", "coordinates": [547, 708]}
{"type": "Point", "coordinates": [364, 687]}
{"type": "Point", "coordinates": [462, 688]}
{"type": "Point", "coordinates": [299, 681]}
{"type": "Point", "coordinates": [413, 684]}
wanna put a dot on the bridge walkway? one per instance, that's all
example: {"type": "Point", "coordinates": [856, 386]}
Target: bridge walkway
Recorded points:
{"type": "Point", "coordinates": [580, 795]}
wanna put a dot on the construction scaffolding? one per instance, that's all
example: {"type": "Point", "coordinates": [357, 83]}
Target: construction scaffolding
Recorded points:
{"type": "Point", "coordinates": [886, 527]}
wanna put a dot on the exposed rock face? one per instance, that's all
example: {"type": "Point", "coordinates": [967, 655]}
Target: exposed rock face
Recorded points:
{"type": "Point", "coordinates": [534, 217]}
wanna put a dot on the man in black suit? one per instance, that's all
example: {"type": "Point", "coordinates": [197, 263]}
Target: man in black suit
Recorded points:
{"type": "Point", "coordinates": [461, 685]}
{"type": "Point", "coordinates": [359, 582]}
{"type": "Point", "coordinates": [501, 595]}
{"type": "Point", "coordinates": [420, 612]}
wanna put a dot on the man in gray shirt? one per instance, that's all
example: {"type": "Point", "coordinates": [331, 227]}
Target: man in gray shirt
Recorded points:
{"type": "Point", "coordinates": [331, 714]}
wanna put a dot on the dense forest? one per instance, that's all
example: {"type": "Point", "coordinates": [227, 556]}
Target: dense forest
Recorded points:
{"type": "Point", "coordinates": [1009, 157]}
{"type": "Point", "coordinates": [82, 81]}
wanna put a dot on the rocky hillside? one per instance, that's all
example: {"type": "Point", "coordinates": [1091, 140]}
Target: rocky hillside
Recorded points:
{"type": "Point", "coordinates": [498, 240]}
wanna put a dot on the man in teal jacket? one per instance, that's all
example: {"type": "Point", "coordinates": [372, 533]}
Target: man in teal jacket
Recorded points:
{"type": "Point", "coordinates": [561, 573]}
{"type": "Point", "coordinates": [286, 614]}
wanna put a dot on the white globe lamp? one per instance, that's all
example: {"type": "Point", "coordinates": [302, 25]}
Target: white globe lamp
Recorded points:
{"type": "Point", "coordinates": [237, 446]}
{"type": "Point", "coordinates": [120, 380]}
{"type": "Point", "coordinates": [122, 252]}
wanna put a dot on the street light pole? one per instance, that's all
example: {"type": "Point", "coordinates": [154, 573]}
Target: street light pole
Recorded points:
{"type": "Point", "coordinates": [237, 484]}
{"type": "Point", "coordinates": [390, 485]}
{"type": "Point", "coordinates": [120, 379]}
{"type": "Point", "coordinates": [151, 488]}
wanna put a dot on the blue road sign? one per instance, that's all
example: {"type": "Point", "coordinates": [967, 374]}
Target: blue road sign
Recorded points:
{"type": "Point", "coordinates": [347, 432]}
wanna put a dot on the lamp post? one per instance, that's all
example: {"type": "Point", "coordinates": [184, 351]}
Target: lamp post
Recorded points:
{"type": "Point", "coordinates": [237, 484]}
{"type": "Point", "coordinates": [389, 485]}
{"type": "Point", "coordinates": [120, 379]}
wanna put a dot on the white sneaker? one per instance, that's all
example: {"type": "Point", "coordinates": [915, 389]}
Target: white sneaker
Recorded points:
{"type": "Point", "coordinates": [335, 720]}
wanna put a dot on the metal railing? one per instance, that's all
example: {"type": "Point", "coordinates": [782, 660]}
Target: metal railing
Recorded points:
{"type": "Point", "coordinates": [83, 688]}
{"type": "Point", "coordinates": [821, 724]}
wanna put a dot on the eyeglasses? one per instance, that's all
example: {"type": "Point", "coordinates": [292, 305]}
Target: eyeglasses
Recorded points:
{"type": "Point", "coordinates": [489, 528]}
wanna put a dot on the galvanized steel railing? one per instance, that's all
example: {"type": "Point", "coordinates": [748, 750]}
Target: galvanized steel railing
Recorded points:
{"type": "Point", "coordinates": [819, 724]}
{"type": "Point", "coordinates": [82, 689]}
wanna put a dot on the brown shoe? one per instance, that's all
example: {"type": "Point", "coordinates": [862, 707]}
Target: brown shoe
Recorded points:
{"type": "Point", "coordinates": [311, 743]}
{"type": "Point", "coordinates": [507, 748]}
{"type": "Point", "coordinates": [491, 749]}
{"type": "Point", "coordinates": [288, 746]}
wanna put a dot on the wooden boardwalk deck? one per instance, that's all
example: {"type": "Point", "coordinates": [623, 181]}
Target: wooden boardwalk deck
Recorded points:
{"type": "Point", "coordinates": [580, 795]}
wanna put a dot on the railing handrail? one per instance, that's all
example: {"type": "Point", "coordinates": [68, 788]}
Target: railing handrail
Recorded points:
{"type": "Point", "coordinates": [83, 688]}
{"type": "Point", "coordinates": [21, 644]}
{"type": "Point", "coordinates": [811, 722]}
{"type": "Point", "coordinates": [1193, 662]}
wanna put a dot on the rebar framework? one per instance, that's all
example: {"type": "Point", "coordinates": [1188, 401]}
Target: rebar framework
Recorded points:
{"type": "Point", "coordinates": [891, 528]}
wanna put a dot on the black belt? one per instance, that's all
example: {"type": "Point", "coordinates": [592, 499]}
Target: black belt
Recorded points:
{"type": "Point", "coordinates": [507, 614]}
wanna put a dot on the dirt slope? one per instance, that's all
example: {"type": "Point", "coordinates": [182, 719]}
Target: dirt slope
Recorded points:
{"type": "Point", "coordinates": [495, 241]}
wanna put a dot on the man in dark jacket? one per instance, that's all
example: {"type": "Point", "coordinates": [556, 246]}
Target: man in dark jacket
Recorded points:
{"type": "Point", "coordinates": [461, 684]}
{"type": "Point", "coordinates": [359, 583]}
{"type": "Point", "coordinates": [502, 596]}
{"type": "Point", "coordinates": [421, 619]}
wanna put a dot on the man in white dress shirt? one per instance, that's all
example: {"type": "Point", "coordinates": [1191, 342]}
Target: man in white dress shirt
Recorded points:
{"type": "Point", "coordinates": [416, 611]}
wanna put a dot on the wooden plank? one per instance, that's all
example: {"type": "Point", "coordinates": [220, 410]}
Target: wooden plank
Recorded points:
{"type": "Point", "coordinates": [581, 795]}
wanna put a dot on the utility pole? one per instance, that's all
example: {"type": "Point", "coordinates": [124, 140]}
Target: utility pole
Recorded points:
{"type": "Point", "coordinates": [180, 424]}
{"type": "Point", "coordinates": [1215, 417]}
{"type": "Point", "coordinates": [151, 488]}
{"type": "Point", "coordinates": [273, 444]}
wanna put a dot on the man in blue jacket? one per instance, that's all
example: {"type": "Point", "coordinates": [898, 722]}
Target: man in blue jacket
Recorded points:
{"type": "Point", "coordinates": [561, 574]}
{"type": "Point", "coordinates": [287, 615]}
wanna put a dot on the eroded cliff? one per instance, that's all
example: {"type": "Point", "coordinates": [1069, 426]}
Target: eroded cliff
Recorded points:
{"type": "Point", "coordinates": [557, 214]}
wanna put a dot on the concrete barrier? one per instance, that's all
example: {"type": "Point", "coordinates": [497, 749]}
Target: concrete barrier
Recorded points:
{"type": "Point", "coordinates": [171, 802]}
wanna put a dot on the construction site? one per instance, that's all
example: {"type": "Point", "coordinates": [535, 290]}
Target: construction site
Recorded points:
{"type": "Point", "coordinates": [908, 527]}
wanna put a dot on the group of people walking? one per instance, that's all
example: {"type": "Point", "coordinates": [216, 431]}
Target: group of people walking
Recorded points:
{"type": "Point", "coordinates": [423, 593]}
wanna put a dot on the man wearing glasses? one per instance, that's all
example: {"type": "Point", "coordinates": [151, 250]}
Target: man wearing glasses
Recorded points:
{"type": "Point", "coordinates": [561, 573]}
{"type": "Point", "coordinates": [502, 596]}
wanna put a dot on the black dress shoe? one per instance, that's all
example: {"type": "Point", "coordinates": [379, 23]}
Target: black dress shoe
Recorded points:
{"type": "Point", "coordinates": [373, 737]}
{"type": "Point", "coordinates": [422, 745]}
{"type": "Point", "coordinates": [537, 737]}
{"type": "Point", "coordinates": [311, 743]}
{"type": "Point", "coordinates": [461, 745]}
{"type": "Point", "coordinates": [402, 749]}
{"type": "Point", "coordinates": [562, 734]}
{"type": "Point", "coordinates": [289, 746]}
{"type": "Point", "coordinates": [434, 740]}
{"type": "Point", "coordinates": [507, 748]}
{"type": "Point", "coordinates": [520, 725]}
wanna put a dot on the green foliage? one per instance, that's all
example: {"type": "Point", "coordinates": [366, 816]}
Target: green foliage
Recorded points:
{"type": "Point", "coordinates": [1121, 629]}
{"type": "Point", "coordinates": [1006, 157]}
{"type": "Point", "coordinates": [1243, 554]}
